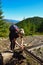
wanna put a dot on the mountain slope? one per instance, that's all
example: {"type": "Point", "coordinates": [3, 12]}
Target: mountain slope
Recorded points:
{"type": "Point", "coordinates": [11, 21]}
{"type": "Point", "coordinates": [32, 25]}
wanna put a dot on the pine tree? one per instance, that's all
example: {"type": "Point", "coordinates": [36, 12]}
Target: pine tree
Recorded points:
{"type": "Point", "coordinates": [2, 23]}
{"type": "Point", "coordinates": [1, 17]}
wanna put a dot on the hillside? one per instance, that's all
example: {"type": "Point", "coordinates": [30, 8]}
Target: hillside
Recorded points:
{"type": "Point", "coordinates": [32, 25]}
{"type": "Point", "coordinates": [11, 21]}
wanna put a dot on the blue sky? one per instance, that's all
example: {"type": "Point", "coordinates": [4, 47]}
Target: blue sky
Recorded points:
{"type": "Point", "coordinates": [20, 9]}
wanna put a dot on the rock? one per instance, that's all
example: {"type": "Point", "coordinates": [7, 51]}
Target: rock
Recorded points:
{"type": "Point", "coordinates": [6, 56]}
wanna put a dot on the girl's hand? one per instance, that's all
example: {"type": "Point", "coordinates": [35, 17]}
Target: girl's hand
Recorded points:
{"type": "Point", "coordinates": [22, 47]}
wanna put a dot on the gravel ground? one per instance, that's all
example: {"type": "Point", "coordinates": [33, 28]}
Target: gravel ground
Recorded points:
{"type": "Point", "coordinates": [28, 41]}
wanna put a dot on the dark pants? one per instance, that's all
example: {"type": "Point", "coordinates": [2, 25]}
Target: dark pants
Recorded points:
{"type": "Point", "coordinates": [12, 35]}
{"type": "Point", "coordinates": [12, 45]}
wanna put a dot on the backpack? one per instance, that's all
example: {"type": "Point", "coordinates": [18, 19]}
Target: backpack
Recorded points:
{"type": "Point", "coordinates": [14, 28]}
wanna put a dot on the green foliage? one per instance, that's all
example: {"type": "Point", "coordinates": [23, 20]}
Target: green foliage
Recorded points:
{"type": "Point", "coordinates": [3, 25]}
{"type": "Point", "coordinates": [40, 28]}
{"type": "Point", "coordinates": [32, 25]}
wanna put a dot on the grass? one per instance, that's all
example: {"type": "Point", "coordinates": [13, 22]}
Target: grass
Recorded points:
{"type": "Point", "coordinates": [37, 33]}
